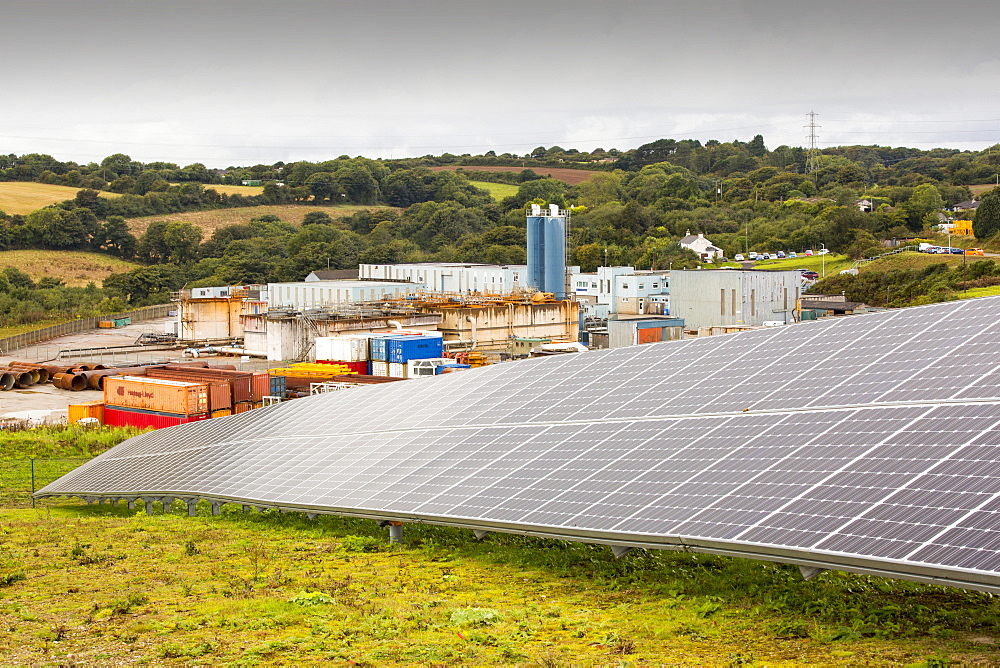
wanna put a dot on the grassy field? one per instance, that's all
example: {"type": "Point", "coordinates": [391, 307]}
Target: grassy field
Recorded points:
{"type": "Point", "coordinates": [978, 190]}
{"type": "Point", "coordinates": [231, 190]}
{"type": "Point", "coordinates": [94, 585]}
{"type": "Point", "coordinates": [75, 268]}
{"type": "Point", "coordinates": [833, 263]}
{"type": "Point", "coordinates": [498, 190]}
{"type": "Point", "coordinates": [23, 197]}
{"type": "Point", "coordinates": [209, 221]}
{"type": "Point", "coordinates": [105, 584]}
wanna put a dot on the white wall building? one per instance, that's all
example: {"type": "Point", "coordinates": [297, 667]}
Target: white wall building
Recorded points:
{"type": "Point", "coordinates": [599, 285]}
{"type": "Point", "coordinates": [717, 297]}
{"type": "Point", "coordinates": [316, 294]}
{"type": "Point", "coordinates": [700, 245]}
{"type": "Point", "coordinates": [634, 292]}
{"type": "Point", "coordinates": [455, 276]}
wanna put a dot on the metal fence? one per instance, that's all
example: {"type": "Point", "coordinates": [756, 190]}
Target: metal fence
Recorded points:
{"type": "Point", "coordinates": [19, 478]}
{"type": "Point", "coordinates": [19, 341]}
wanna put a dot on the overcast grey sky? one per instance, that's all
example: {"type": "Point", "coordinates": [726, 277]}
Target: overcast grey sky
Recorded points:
{"type": "Point", "coordinates": [240, 82]}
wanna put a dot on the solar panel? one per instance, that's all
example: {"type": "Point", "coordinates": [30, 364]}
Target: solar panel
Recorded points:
{"type": "Point", "coordinates": [866, 443]}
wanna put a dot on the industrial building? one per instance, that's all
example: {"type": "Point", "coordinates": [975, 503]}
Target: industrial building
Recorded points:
{"type": "Point", "coordinates": [452, 276]}
{"type": "Point", "coordinates": [207, 314]}
{"type": "Point", "coordinates": [317, 294]}
{"type": "Point", "coordinates": [731, 298]}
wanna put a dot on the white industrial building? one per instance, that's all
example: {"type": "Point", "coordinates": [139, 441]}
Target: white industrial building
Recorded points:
{"type": "Point", "coordinates": [455, 276]}
{"type": "Point", "coordinates": [622, 290]}
{"type": "Point", "coordinates": [316, 294]}
{"type": "Point", "coordinates": [734, 298]}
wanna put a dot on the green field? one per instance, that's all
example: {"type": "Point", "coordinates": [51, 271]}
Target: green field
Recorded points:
{"type": "Point", "coordinates": [498, 190]}
{"type": "Point", "coordinates": [95, 585]}
{"type": "Point", "coordinates": [831, 261]}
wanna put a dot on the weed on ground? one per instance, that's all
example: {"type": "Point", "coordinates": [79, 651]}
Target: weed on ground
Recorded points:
{"type": "Point", "coordinates": [100, 584]}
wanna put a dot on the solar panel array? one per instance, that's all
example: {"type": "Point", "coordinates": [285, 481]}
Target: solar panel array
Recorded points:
{"type": "Point", "coordinates": [866, 443]}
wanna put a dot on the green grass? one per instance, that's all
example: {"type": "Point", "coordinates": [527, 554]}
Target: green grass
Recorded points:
{"type": "Point", "coordinates": [833, 263]}
{"type": "Point", "coordinates": [498, 190]}
{"type": "Point", "coordinates": [991, 291]}
{"type": "Point", "coordinates": [95, 584]}
{"type": "Point", "coordinates": [101, 583]}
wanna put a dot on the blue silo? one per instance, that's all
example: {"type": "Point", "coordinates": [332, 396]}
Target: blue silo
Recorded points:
{"type": "Point", "coordinates": [547, 249]}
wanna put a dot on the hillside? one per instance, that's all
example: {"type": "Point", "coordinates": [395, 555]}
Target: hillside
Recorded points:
{"type": "Point", "coordinates": [75, 268]}
{"type": "Point", "coordinates": [570, 176]}
{"type": "Point", "coordinates": [24, 197]}
{"type": "Point", "coordinates": [213, 219]}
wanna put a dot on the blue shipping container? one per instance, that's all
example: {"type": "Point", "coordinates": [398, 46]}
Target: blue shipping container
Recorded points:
{"type": "Point", "coordinates": [406, 348]}
{"type": "Point", "coordinates": [379, 348]}
{"type": "Point", "coordinates": [277, 386]}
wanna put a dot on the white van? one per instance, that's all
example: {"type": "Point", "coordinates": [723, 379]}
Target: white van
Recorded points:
{"type": "Point", "coordinates": [753, 255]}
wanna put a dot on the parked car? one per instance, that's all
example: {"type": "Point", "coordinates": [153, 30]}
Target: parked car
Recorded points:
{"type": "Point", "coordinates": [781, 255]}
{"type": "Point", "coordinates": [808, 253]}
{"type": "Point", "coordinates": [765, 256]}
{"type": "Point", "coordinates": [753, 255]}
{"type": "Point", "coordinates": [956, 251]}
{"type": "Point", "coordinates": [739, 257]}
{"type": "Point", "coordinates": [792, 255]}
{"type": "Point", "coordinates": [823, 251]}
{"type": "Point", "coordinates": [811, 275]}
{"type": "Point", "coordinates": [975, 251]}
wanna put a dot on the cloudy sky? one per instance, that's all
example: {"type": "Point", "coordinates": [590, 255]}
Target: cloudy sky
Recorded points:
{"type": "Point", "coordinates": [229, 82]}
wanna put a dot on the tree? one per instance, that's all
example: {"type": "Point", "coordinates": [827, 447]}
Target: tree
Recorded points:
{"type": "Point", "coordinates": [987, 220]}
{"type": "Point", "coordinates": [756, 147]}
{"type": "Point", "coordinates": [317, 217]}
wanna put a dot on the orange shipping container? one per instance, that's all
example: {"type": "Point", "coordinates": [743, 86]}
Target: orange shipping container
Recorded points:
{"type": "Point", "coordinates": [222, 412]}
{"type": "Point", "coordinates": [87, 409]}
{"type": "Point", "coordinates": [154, 394]}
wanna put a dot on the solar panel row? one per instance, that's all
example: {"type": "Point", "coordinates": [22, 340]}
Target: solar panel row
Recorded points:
{"type": "Point", "coordinates": [807, 444]}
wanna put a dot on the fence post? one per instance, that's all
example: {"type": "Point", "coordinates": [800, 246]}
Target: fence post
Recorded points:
{"type": "Point", "coordinates": [32, 482]}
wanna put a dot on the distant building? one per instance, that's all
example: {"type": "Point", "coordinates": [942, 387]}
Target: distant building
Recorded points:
{"type": "Point", "coordinates": [332, 275]}
{"type": "Point", "coordinates": [453, 276]}
{"type": "Point", "coordinates": [700, 245]}
{"type": "Point", "coordinates": [966, 206]}
{"type": "Point", "coordinates": [636, 293]}
{"type": "Point", "coordinates": [722, 298]}
{"type": "Point", "coordinates": [317, 294]}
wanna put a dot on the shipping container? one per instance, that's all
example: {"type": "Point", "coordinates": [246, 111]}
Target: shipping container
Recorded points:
{"type": "Point", "coordinates": [156, 394]}
{"type": "Point", "coordinates": [86, 409]}
{"type": "Point", "coordinates": [115, 416]}
{"type": "Point", "coordinates": [220, 391]}
{"type": "Point", "coordinates": [105, 324]}
{"type": "Point", "coordinates": [403, 349]}
{"type": "Point", "coordinates": [222, 412]}
{"type": "Point", "coordinates": [357, 367]}
{"type": "Point", "coordinates": [242, 407]}
{"type": "Point", "coordinates": [348, 348]}
{"type": "Point", "coordinates": [397, 370]}
{"type": "Point", "coordinates": [379, 348]}
{"type": "Point", "coordinates": [380, 368]}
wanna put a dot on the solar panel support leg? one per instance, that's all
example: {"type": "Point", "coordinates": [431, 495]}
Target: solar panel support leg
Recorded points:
{"type": "Point", "coordinates": [247, 509]}
{"type": "Point", "coordinates": [480, 533]}
{"type": "Point", "coordinates": [168, 502]}
{"type": "Point", "coordinates": [217, 508]}
{"type": "Point", "coordinates": [192, 507]}
{"type": "Point", "coordinates": [395, 532]}
{"type": "Point", "coordinates": [131, 504]}
{"type": "Point", "coordinates": [311, 516]}
{"type": "Point", "coordinates": [620, 551]}
{"type": "Point", "coordinates": [149, 506]}
{"type": "Point", "coordinates": [809, 572]}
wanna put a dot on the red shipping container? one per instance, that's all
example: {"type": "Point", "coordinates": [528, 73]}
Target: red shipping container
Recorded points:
{"type": "Point", "coordinates": [356, 367]}
{"type": "Point", "coordinates": [242, 407]}
{"type": "Point", "coordinates": [115, 416]}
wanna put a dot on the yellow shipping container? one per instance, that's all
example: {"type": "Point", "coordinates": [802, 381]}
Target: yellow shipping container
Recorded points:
{"type": "Point", "coordinates": [88, 409]}
{"type": "Point", "coordinates": [222, 412]}
{"type": "Point", "coordinates": [105, 324]}
{"type": "Point", "coordinates": [156, 394]}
